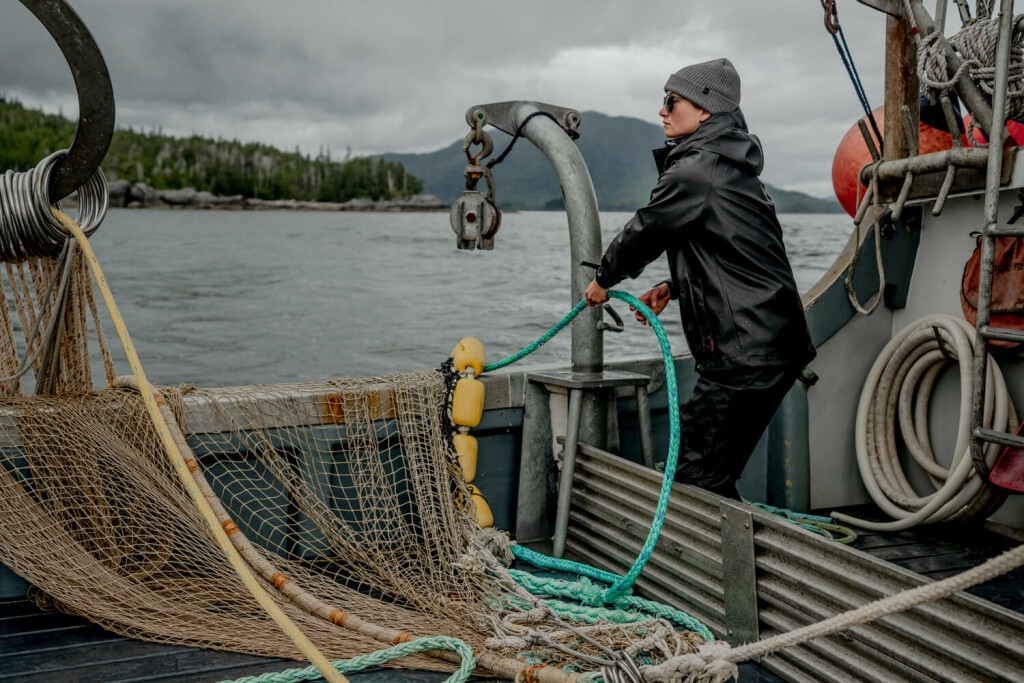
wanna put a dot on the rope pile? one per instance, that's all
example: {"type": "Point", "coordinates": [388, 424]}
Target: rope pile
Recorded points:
{"type": "Point", "coordinates": [976, 43]}
{"type": "Point", "coordinates": [900, 384]}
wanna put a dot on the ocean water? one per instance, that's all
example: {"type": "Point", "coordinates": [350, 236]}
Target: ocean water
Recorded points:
{"type": "Point", "coordinates": [219, 298]}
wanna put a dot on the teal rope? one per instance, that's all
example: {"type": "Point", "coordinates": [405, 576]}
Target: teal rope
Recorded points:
{"type": "Point", "coordinates": [823, 526]}
{"type": "Point", "coordinates": [594, 596]}
{"type": "Point", "coordinates": [620, 584]}
{"type": "Point", "coordinates": [361, 662]}
{"type": "Point", "coordinates": [541, 341]}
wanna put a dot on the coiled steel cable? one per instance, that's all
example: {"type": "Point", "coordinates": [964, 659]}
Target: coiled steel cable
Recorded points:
{"type": "Point", "coordinates": [27, 226]}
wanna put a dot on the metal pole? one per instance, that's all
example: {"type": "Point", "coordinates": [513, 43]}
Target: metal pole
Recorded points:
{"type": "Point", "coordinates": [988, 244]}
{"type": "Point", "coordinates": [572, 432]}
{"type": "Point", "coordinates": [584, 229]}
{"type": "Point", "coordinates": [643, 417]}
{"type": "Point", "coordinates": [584, 245]}
{"type": "Point", "coordinates": [940, 15]}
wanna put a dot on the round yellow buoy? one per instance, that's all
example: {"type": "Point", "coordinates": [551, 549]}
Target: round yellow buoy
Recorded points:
{"type": "Point", "coordinates": [469, 353]}
{"type": "Point", "coordinates": [466, 450]}
{"type": "Point", "coordinates": [468, 402]}
{"type": "Point", "coordinates": [484, 516]}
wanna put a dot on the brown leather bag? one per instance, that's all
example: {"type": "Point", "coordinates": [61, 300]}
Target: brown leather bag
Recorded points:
{"type": "Point", "coordinates": [1007, 287]}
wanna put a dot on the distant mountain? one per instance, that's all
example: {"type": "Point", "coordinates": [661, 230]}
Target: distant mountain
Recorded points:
{"type": "Point", "coordinates": [617, 150]}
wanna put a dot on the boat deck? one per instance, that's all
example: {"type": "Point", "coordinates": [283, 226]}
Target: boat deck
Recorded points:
{"type": "Point", "coordinates": [941, 551]}
{"type": "Point", "coordinates": [37, 646]}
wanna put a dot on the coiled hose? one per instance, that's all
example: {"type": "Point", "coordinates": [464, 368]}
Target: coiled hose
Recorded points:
{"type": "Point", "coordinates": [899, 387]}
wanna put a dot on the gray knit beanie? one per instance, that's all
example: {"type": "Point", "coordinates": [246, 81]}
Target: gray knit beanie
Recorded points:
{"type": "Point", "coordinates": [713, 86]}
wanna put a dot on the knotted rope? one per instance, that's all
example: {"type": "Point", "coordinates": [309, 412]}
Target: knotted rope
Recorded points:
{"type": "Point", "coordinates": [976, 43]}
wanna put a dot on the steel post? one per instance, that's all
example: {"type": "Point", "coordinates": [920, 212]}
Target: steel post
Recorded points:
{"type": "Point", "coordinates": [643, 418]}
{"type": "Point", "coordinates": [572, 432]}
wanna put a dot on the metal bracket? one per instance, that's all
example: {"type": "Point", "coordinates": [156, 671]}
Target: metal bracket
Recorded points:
{"type": "Point", "coordinates": [502, 115]}
{"type": "Point", "coordinates": [95, 95]}
{"type": "Point", "coordinates": [615, 326]}
{"type": "Point", "coordinates": [739, 574]}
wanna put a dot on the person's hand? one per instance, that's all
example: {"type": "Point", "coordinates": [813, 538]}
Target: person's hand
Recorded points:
{"type": "Point", "coordinates": [656, 300]}
{"type": "Point", "coordinates": [595, 294]}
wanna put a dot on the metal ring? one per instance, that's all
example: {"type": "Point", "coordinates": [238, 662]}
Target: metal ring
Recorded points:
{"type": "Point", "coordinates": [95, 97]}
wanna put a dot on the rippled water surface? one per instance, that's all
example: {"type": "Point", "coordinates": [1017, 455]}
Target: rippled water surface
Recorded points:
{"type": "Point", "coordinates": [219, 298]}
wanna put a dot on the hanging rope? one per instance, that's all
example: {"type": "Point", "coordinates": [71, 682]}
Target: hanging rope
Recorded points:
{"type": "Point", "coordinates": [839, 38]}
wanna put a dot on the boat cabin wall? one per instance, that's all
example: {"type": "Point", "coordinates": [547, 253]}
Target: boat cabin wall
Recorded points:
{"type": "Point", "coordinates": [924, 269]}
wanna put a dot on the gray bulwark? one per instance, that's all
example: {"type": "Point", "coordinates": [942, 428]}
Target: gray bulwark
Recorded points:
{"type": "Point", "coordinates": [801, 578]}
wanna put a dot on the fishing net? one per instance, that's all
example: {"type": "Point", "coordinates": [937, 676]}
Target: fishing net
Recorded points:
{"type": "Point", "coordinates": [346, 492]}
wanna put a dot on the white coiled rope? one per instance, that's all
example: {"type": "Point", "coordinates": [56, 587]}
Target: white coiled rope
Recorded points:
{"type": "Point", "coordinates": [899, 388]}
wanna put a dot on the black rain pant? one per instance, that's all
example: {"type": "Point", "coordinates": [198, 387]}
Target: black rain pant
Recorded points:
{"type": "Point", "coordinates": [723, 421]}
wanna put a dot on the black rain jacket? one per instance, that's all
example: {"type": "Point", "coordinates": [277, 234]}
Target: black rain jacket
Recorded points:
{"type": "Point", "coordinates": [710, 212]}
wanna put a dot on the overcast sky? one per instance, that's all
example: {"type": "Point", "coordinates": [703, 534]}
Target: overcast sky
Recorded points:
{"type": "Point", "coordinates": [391, 76]}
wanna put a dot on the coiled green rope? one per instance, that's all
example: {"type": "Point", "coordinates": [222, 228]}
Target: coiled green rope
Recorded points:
{"type": "Point", "coordinates": [361, 662]}
{"type": "Point", "coordinates": [620, 585]}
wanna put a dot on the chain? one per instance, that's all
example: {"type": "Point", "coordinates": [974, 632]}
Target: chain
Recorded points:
{"type": "Point", "coordinates": [475, 171]}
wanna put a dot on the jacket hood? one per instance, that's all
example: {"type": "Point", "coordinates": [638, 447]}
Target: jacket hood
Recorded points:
{"type": "Point", "coordinates": [725, 134]}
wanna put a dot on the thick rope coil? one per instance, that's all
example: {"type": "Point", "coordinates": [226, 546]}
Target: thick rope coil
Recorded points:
{"type": "Point", "coordinates": [28, 227]}
{"type": "Point", "coordinates": [976, 43]}
{"type": "Point", "coordinates": [898, 387]}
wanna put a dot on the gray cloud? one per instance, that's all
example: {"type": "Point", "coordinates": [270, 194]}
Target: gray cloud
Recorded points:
{"type": "Point", "coordinates": [398, 76]}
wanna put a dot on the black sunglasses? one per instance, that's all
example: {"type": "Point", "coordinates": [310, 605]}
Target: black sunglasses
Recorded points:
{"type": "Point", "coordinates": [670, 102]}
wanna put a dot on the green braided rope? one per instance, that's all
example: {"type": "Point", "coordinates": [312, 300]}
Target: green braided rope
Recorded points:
{"type": "Point", "coordinates": [823, 526]}
{"type": "Point", "coordinates": [541, 341]}
{"type": "Point", "coordinates": [620, 584]}
{"type": "Point", "coordinates": [593, 597]}
{"type": "Point", "coordinates": [361, 662]}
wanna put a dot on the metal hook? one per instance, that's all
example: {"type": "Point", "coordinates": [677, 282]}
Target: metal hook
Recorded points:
{"type": "Point", "coordinates": [95, 95]}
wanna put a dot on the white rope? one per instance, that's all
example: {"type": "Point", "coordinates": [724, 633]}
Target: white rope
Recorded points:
{"type": "Point", "coordinates": [899, 387]}
{"type": "Point", "coordinates": [716, 662]}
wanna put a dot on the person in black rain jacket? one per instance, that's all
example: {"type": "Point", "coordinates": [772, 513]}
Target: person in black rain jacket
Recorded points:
{"type": "Point", "coordinates": [741, 311]}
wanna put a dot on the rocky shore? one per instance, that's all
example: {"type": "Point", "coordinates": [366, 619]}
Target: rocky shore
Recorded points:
{"type": "Point", "coordinates": [142, 196]}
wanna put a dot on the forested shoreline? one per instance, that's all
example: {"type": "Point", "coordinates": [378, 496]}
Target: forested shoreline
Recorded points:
{"type": "Point", "coordinates": [219, 167]}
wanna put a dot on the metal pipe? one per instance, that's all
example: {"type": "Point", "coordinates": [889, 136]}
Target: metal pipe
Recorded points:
{"type": "Point", "coordinates": [643, 417]}
{"type": "Point", "coordinates": [965, 157]}
{"type": "Point", "coordinates": [969, 92]}
{"type": "Point", "coordinates": [940, 15]}
{"type": "Point", "coordinates": [584, 229]}
{"type": "Point", "coordinates": [988, 240]}
{"type": "Point", "coordinates": [572, 432]}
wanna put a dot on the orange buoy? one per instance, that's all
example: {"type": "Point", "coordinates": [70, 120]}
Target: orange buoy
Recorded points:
{"type": "Point", "coordinates": [852, 154]}
{"type": "Point", "coordinates": [1014, 128]}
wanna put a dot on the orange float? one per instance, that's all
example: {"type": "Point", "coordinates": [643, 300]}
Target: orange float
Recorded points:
{"type": "Point", "coordinates": [853, 154]}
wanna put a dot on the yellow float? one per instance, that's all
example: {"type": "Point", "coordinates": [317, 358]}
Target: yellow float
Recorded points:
{"type": "Point", "coordinates": [466, 450]}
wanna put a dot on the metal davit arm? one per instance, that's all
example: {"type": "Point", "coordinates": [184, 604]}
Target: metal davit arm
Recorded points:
{"type": "Point", "coordinates": [548, 133]}
{"type": "Point", "coordinates": [584, 228]}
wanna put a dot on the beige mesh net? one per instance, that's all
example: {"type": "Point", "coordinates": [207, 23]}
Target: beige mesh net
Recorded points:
{"type": "Point", "coordinates": [343, 496]}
